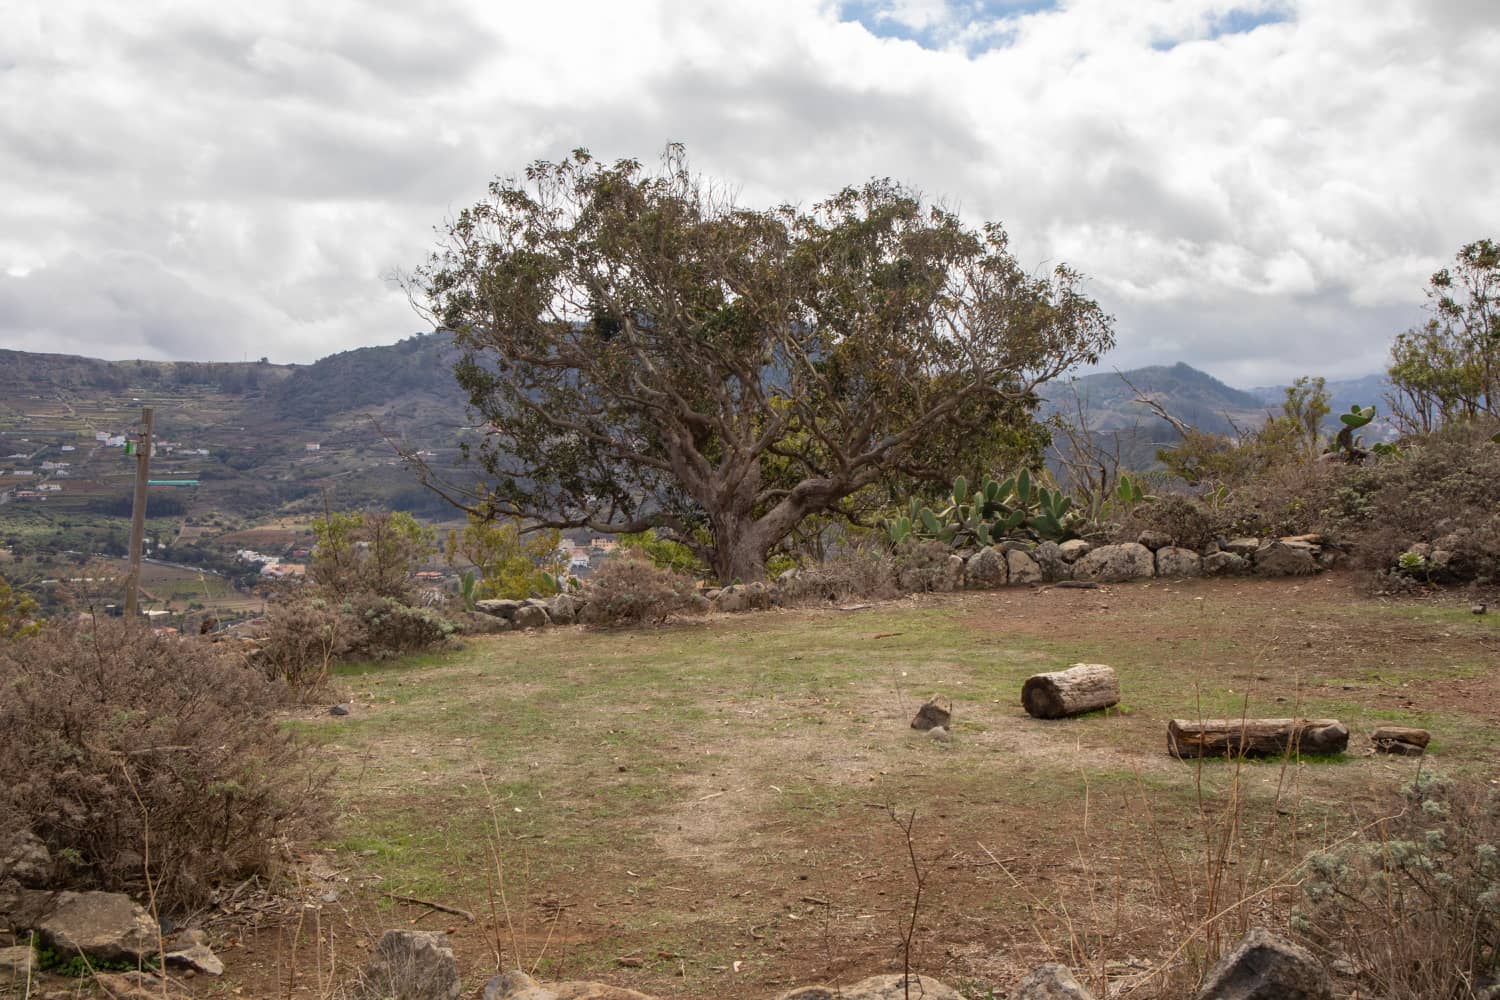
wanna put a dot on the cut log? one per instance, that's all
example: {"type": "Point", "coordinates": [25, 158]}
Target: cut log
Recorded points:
{"type": "Point", "coordinates": [1081, 688]}
{"type": "Point", "coordinates": [1255, 737]}
{"type": "Point", "coordinates": [1402, 740]}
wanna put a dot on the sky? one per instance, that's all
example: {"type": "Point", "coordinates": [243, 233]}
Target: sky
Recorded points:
{"type": "Point", "coordinates": [1260, 188]}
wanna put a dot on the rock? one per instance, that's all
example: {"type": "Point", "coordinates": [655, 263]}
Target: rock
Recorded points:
{"type": "Point", "coordinates": [891, 987]}
{"type": "Point", "coordinates": [1263, 967]}
{"type": "Point", "coordinates": [17, 964]}
{"type": "Point", "coordinates": [1051, 982]}
{"type": "Point", "coordinates": [531, 616]}
{"type": "Point", "coordinates": [1048, 556]}
{"type": "Point", "coordinates": [954, 579]}
{"type": "Point", "coordinates": [1225, 564]}
{"type": "Point", "coordinates": [1154, 540]}
{"type": "Point", "coordinates": [103, 926]}
{"type": "Point", "coordinates": [940, 733]}
{"type": "Point", "coordinates": [478, 623]}
{"type": "Point", "coordinates": [739, 597]}
{"type": "Point", "coordinates": [986, 568]}
{"type": "Point", "coordinates": [410, 965]}
{"type": "Point", "coordinates": [1419, 549]}
{"type": "Point", "coordinates": [498, 607]}
{"type": "Point", "coordinates": [26, 860]}
{"type": "Point", "coordinates": [23, 907]}
{"type": "Point", "coordinates": [1174, 562]}
{"type": "Point", "coordinates": [1276, 558]}
{"type": "Point", "coordinates": [1074, 549]}
{"type": "Point", "coordinates": [1116, 563]}
{"type": "Point", "coordinates": [339, 710]}
{"type": "Point", "coordinates": [517, 985]}
{"type": "Point", "coordinates": [563, 609]}
{"type": "Point", "coordinates": [140, 985]}
{"type": "Point", "coordinates": [1244, 546]}
{"type": "Point", "coordinates": [1440, 559]}
{"type": "Point", "coordinates": [1022, 568]}
{"type": "Point", "coordinates": [1478, 609]}
{"type": "Point", "coordinates": [931, 714]}
{"type": "Point", "coordinates": [190, 948]}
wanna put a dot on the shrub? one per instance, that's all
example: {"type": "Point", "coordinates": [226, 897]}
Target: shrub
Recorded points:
{"type": "Point", "coordinates": [376, 551]}
{"type": "Point", "coordinates": [860, 571]}
{"type": "Point", "coordinates": [1180, 518]}
{"type": "Point", "coordinates": [18, 613]}
{"type": "Point", "coordinates": [304, 636]}
{"type": "Point", "coordinates": [629, 589]}
{"type": "Point", "coordinates": [387, 626]}
{"type": "Point", "coordinates": [1416, 905]}
{"type": "Point", "coordinates": [125, 751]}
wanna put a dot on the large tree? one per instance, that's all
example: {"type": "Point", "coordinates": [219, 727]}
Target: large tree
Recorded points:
{"type": "Point", "coordinates": [648, 354]}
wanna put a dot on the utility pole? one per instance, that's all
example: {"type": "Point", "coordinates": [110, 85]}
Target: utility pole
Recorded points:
{"type": "Point", "coordinates": [138, 514]}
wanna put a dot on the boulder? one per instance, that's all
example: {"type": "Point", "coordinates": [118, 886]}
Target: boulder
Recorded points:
{"type": "Point", "coordinates": [954, 579]}
{"type": "Point", "coordinates": [498, 607]}
{"type": "Point", "coordinates": [986, 568]}
{"type": "Point", "coordinates": [1225, 564]}
{"type": "Point", "coordinates": [1263, 967]}
{"type": "Point", "coordinates": [1022, 568]}
{"type": "Point", "coordinates": [739, 597]}
{"type": "Point", "coordinates": [1174, 562]}
{"type": "Point", "coordinates": [23, 907]}
{"type": "Point", "coordinates": [1276, 558]}
{"type": "Point", "coordinates": [1116, 563]}
{"type": "Point", "coordinates": [102, 926]}
{"type": "Point", "coordinates": [410, 965]}
{"type": "Point", "coordinates": [531, 616]}
{"type": "Point", "coordinates": [563, 609]}
{"type": "Point", "coordinates": [1154, 540]}
{"type": "Point", "coordinates": [890, 987]}
{"type": "Point", "coordinates": [517, 985]}
{"type": "Point", "coordinates": [1243, 546]}
{"type": "Point", "coordinates": [1051, 982]}
{"type": "Point", "coordinates": [1074, 549]}
{"type": "Point", "coordinates": [1048, 556]}
{"type": "Point", "coordinates": [479, 623]}
{"type": "Point", "coordinates": [26, 861]}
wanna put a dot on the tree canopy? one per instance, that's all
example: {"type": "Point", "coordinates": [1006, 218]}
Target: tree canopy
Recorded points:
{"type": "Point", "coordinates": [648, 354]}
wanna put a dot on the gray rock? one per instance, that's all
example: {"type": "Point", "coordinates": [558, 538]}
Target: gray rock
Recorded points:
{"type": "Point", "coordinates": [1479, 609]}
{"type": "Point", "coordinates": [1022, 568]}
{"type": "Point", "coordinates": [498, 607]}
{"type": "Point", "coordinates": [1048, 556]}
{"type": "Point", "coordinates": [338, 710]}
{"type": "Point", "coordinates": [531, 616]}
{"type": "Point", "coordinates": [986, 569]}
{"type": "Point", "coordinates": [563, 609]}
{"type": "Point", "coordinates": [23, 907]}
{"type": "Point", "coordinates": [1276, 558]}
{"type": "Point", "coordinates": [1174, 562]}
{"type": "Point", "coordinates": [955, 575]}
{"type": "Point", "coordinates": [517, 985]}
{"type": "Point", "coordinates": [1116, 563]}
{"type": "Point", "coordinates": [478, 623]}
{"type": "Point", "coordinates": [190, 948]}
{"type": "Point", "coordinates": [1074, 549]}
{"type": "Point", "coordinates": [1263, 967]}
{"type": "Point", "coordinates": [26, 860]}
{"type": "Point", "coordinates": [891, 987]}
{"type": "Point", "coordinates": [410, 965]}
{"type": "Point", "coordinates": [739, 597]}
{"type": "Point", "coordinates": [940, 733]}
{"type": "Point", "coordinates": [1225, 564]}
{"type": "Point", "coordinates": [104, 926]}
{"type": "Point", "coordinates": [1051, 982]}
{"type": "Point", "coordinates": [17, 964]}
{"type": "Point", "coordinates": [1154, 540]}
{"type": "Point", "coordinates": [1420, 549]}
{"type": "Point", "coordinates": [1243, 546]}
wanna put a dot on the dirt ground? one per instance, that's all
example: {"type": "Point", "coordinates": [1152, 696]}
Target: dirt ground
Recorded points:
{"type": "Point", "coordinates": [720, 807]}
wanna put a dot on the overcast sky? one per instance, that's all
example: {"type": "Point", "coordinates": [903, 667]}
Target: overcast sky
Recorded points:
{"type": "Point", "coordinates": [1258, 188]}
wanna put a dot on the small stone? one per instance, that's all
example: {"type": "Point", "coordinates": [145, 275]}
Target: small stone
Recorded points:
{"type": "Point", "coordinates": [410, 965]}
{"type": "Point", "coordinates": [1051, 982]}
{"type": "Point", "coordinates": [1154, 540]}
{"type": "Point", "coordinates": [498, 607]}
{"type": "Point", "coordinates": [940, 733]}
{"type": "Point", "coordinates": [1048, 556]}
{"type": "Point", "coordinates": [339, 710]}
{"type": "Point", "coordinates": [1243, 546]}
{"type": "Point", "coordinates": [1478, 609]}
{"type": "Point", "coordinates": [1074, 549]}
{"type": "Point", "coordinates": [563, 609]}
{"type": "Point", "coordinates": [190, 948]}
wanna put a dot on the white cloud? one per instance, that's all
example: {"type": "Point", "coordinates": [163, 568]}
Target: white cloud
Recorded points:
{"type": "Point", "coordinates": [1258, 187]}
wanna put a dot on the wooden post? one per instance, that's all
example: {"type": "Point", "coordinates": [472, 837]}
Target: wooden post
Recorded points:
{"type": "Point", "coordinates": [138, 513]}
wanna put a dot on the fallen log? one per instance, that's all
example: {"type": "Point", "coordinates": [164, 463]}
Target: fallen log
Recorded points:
{"type": "Point", "coordinates": [1081, 688]}
{"type": "Point", "coordinates": [1255, 737]}
{"type": "Point", "coordinates": [1402, 740]}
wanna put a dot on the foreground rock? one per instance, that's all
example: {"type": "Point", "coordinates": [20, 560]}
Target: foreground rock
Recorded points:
{"type": "Point", "coordinates": [1051, 982]}
{"type": "Point", "coordinates": [102, 926]}
{"type": "Point", "coordinates": [190, 948]}
{"type": "Point", "coordinates": [1116, 564]}
{"type": "Point", "coordinates": [1264, 967]}
{"type": "Point", "coordinates": [518, 985]}
{"type": "Point", "coordinates": [410, 965]}
{"type": "Point", "coordinates": [891, 987]}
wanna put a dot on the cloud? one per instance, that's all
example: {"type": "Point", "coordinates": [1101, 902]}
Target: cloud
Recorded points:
{"type": "Point", "coordinates": [1258, 187]}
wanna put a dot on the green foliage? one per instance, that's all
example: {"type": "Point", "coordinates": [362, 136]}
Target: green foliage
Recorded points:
{"type": "Point", "coordinates": [506, 562]}
{"type": "Point", "coordinates": [1302, 412]}
{"type": "Point", "coordinates": [75, 966]}
{"type": "Point", "coordinates": [1016, 507]}
{"type": "Point", "coordinates": [18, 613]}
{"type": "Point", "coordinates": [664, 553]}
{"type": "Point", "coordinates": [369, 551]}
{"type": "Point", "coordinates": [1346, 443]}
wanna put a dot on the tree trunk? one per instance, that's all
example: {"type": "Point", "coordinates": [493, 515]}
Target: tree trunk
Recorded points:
{"type": "Point", "coordinates": [1255, 737]}
{"type": "Point", "coordinates": [1081, 688]}
{"type": "Point", "coordinates": [740, 557]}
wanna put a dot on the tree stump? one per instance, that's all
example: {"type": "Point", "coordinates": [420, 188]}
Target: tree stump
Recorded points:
{"type": "Point", "coordinates": [1081, 688]}
{"type": "Point", "coordinates": [1401, 740]}
{"type": "Point", "coordinates": [932, 716]}
{"type": "Point", "coordinates": [1255, 737]}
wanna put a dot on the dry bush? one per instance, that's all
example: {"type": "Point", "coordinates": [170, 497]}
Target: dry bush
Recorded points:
{"type": "Point", "coordinates": [386, 627]}
{"type": "Point", "coordinates": [128, 753]}
{"type": "Point", "coordinates": [304, 636]}
{"type": "Point", "coordinates": [922, 565]}
{"type": "Point", "coordinates": [1289, 498]}
{"type": "Point", "coordinates": [629, 589]}
{"type": "Point", "coordinates": [1180, 518]}
{"type": "Point", "coordinates": [858, 572]}
{"type": "Point", "coordinates": [1415, 906]}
